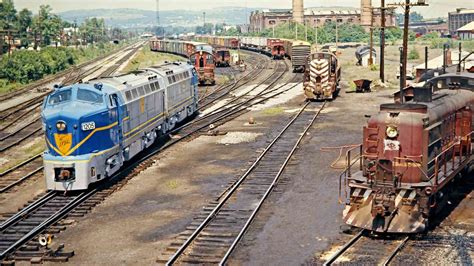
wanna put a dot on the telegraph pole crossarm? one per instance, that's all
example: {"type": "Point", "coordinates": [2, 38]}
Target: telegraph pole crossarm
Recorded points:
{"type": "Point", "coordinates": [404, 50]}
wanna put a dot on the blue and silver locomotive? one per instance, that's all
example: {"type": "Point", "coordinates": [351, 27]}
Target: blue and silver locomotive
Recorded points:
{"type": "Point", "coordinates": [91, 129]}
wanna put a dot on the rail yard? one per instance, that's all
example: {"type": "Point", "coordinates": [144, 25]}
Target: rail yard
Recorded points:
{"type": "Point", "coordinates": [240, 150]}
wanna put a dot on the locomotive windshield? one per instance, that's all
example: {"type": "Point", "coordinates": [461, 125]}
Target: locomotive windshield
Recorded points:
{"type": "Point", "coordinates": [89, 96]}
{"type": "Point", "coordinates": [60, 97]}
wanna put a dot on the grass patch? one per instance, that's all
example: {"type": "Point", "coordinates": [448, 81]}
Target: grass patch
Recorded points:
{"type": "Point", "coordinates": [146, 58]}
{"type": "Point", "coordinates": [173, 184]}
{"type": "Point", "coordinates": [6, 86]}
{"type": "Point", "coordinates": [273, 111]}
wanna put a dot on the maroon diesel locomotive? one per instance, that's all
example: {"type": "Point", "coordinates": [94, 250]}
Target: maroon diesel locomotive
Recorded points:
{"type": "Point", "coordinates": [409, 155]}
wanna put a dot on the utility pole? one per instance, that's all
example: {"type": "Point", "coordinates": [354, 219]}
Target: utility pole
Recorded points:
{"type": "Point", "coordinates": [404, 50]}
{"type": "Point", "coordinates": [204, 22]}
{"type": "Point", "coordinates": [158, 31]}
{"type": "Point", "coordinates": [316, 36]}
{"type": "Point", "coordinates": [306, 30]}
{"type": "Point", "coordinates": [382, 41]}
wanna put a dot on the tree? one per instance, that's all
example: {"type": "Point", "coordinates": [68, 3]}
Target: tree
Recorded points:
{"type": "Point", "coordinates": [7, 19]}
{"type": "Point", "coordinates": [24, 25]}
{"type": "Point", "coordinates": [48, 25]}
{"type": "Point", "coordinates": [93, 30]}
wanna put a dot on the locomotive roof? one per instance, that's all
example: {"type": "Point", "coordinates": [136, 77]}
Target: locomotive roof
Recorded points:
{"type": "Point", "coordinates": [120, 82]}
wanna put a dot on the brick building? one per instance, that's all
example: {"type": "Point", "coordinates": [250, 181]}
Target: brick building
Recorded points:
{"type": "Point", "coordinates": [267, 18]}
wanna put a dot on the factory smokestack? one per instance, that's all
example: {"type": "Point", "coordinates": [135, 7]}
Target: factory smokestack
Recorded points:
{"type": "Point", "coordinates": [298, 11]}
{"type": "Point", "coordinates": [366, 13]}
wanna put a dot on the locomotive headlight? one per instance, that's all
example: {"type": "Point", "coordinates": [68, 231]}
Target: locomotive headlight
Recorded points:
{"type": "Point", "coordinates": [392, 132]}
{"type": "Point", "coordinates": [61, 125]}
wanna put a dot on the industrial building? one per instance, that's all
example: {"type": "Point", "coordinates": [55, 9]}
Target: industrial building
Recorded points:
{"type": "Point", "coordinates": [366, 16]}
{"type": "Point", "coordinates": [459, 18]}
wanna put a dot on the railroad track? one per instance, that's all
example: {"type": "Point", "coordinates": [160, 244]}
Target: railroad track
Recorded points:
{"type": "Point", "coordinates": [21, 172]}
{"type": "Point", "coordinates": [54, 77]}
{"type": "Point", "coordinates": [213, 236]}
{"type": "Point", "coordinates": [251, 76]}
{"type": "Point", "coordinates": [27, 225]}
{"type": "Point", "coordinates": [68, 77]}
{"type": "Point", "coordinates": [223, 90]}
{"type": "Point", "coordinates": [366, 250]}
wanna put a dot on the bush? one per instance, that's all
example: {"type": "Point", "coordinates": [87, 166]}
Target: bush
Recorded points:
{"type": "Point", "coordinates": [413, 54]}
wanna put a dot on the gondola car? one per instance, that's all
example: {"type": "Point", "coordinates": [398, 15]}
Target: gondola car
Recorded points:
{"type": "Point", "coordinates": [92, 129]}
{"type": "Point", "coordinates": [203, 60]}
{"type": "Point", "coordinates": [322, 76]}
{"type": "Point", "coordinates": [411, 153]}
{"type": "Point", "coordinates": [200, 54]}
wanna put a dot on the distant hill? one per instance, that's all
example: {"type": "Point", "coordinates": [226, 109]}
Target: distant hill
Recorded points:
{"type": "Point", "coordinates": [144, 18]}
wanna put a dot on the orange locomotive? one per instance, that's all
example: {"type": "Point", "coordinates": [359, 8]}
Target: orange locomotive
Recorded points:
{"type": "Point", "coordinates": [203, 60]}
{"type": "Point", "coordinates": [409, 155]}
{"type": "Point", "coordinates": [201, 56]}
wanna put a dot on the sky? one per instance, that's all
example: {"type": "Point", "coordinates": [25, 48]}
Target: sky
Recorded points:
{"type": "Point", "coordinates": [437, 8]}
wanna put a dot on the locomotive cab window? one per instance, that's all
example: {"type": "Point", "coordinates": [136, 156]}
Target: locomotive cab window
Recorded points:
{"type": "Point", "coordinates": [89, 96]}
{"type": "Point", "coordinates": [128, 95]}
{"type": "Point", "coordinates": [60, 97]}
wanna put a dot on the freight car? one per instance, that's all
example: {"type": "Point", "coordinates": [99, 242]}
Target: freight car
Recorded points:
{"type": "Point", "coordinates": [92, 129]}
{"type": "Point", "coordinates": [410, 154]}
{"type": "Point", "coordinates": [222, 57]}
{"type": "Point", "coordinates": [200, 54]}
{"type": "Point", "coordinates": [298, 52]}
{"type": "Point", "coordinates": [322, 76]}
{"type": "Point", "coordinates": [219, 41]}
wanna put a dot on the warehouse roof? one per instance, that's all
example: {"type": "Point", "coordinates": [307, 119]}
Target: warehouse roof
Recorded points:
{"type": "Point", "coordinates": [467, 27]}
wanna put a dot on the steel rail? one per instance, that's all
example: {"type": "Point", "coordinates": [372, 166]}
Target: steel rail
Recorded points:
{"type": "Point", "coordinates": [25, 177]}
{"type": "Point", "coordinates": [13, 168]}
{"type": "Point", "coordinates": [79, 199]}
{"type": "Point", "coordinates": [270, 188]}
{"type": "Point", "coordinates": [59, 75]}
{"type": "Point", "coordinates": [2, 149]}
{"type": "Point", "coordinates": [230, 192]}
{"type": "Point", "coordinates": [25, 211]}
{"type": "Point", "coordinates": [343, 249]}
{"type": "Point", "coordinates": [396, 251]}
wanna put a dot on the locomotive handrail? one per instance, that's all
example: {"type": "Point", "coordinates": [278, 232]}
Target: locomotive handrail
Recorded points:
{"type": "Point", "coordinates": [452, 159]}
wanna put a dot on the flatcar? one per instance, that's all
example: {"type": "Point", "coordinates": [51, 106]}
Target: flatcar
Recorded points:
{"type": "Point", "coordinates": [410, 154]}
{"type": "Point", "coordinates": [92, 129]}
{"type": "Point", "coordinates": [203, 60]}
{"type": "Point", "coordinates": [222, 57]}
{"type": "Point", "coordinates": [322, 76]}
{"type": "Point", "coordinates": [200, 54]}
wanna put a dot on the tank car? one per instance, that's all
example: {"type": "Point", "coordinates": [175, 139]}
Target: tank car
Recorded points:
{"type": "Point", "coordinates": [322, 76]}
{"type": "Point", "coordinates": [92, 129]}
{"type": "Point", "coordinates": [203, 60]}
{"type": "Point", "coordinates": [222, 57]}
{"type": "Point", "coordinates": [410, 154]}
